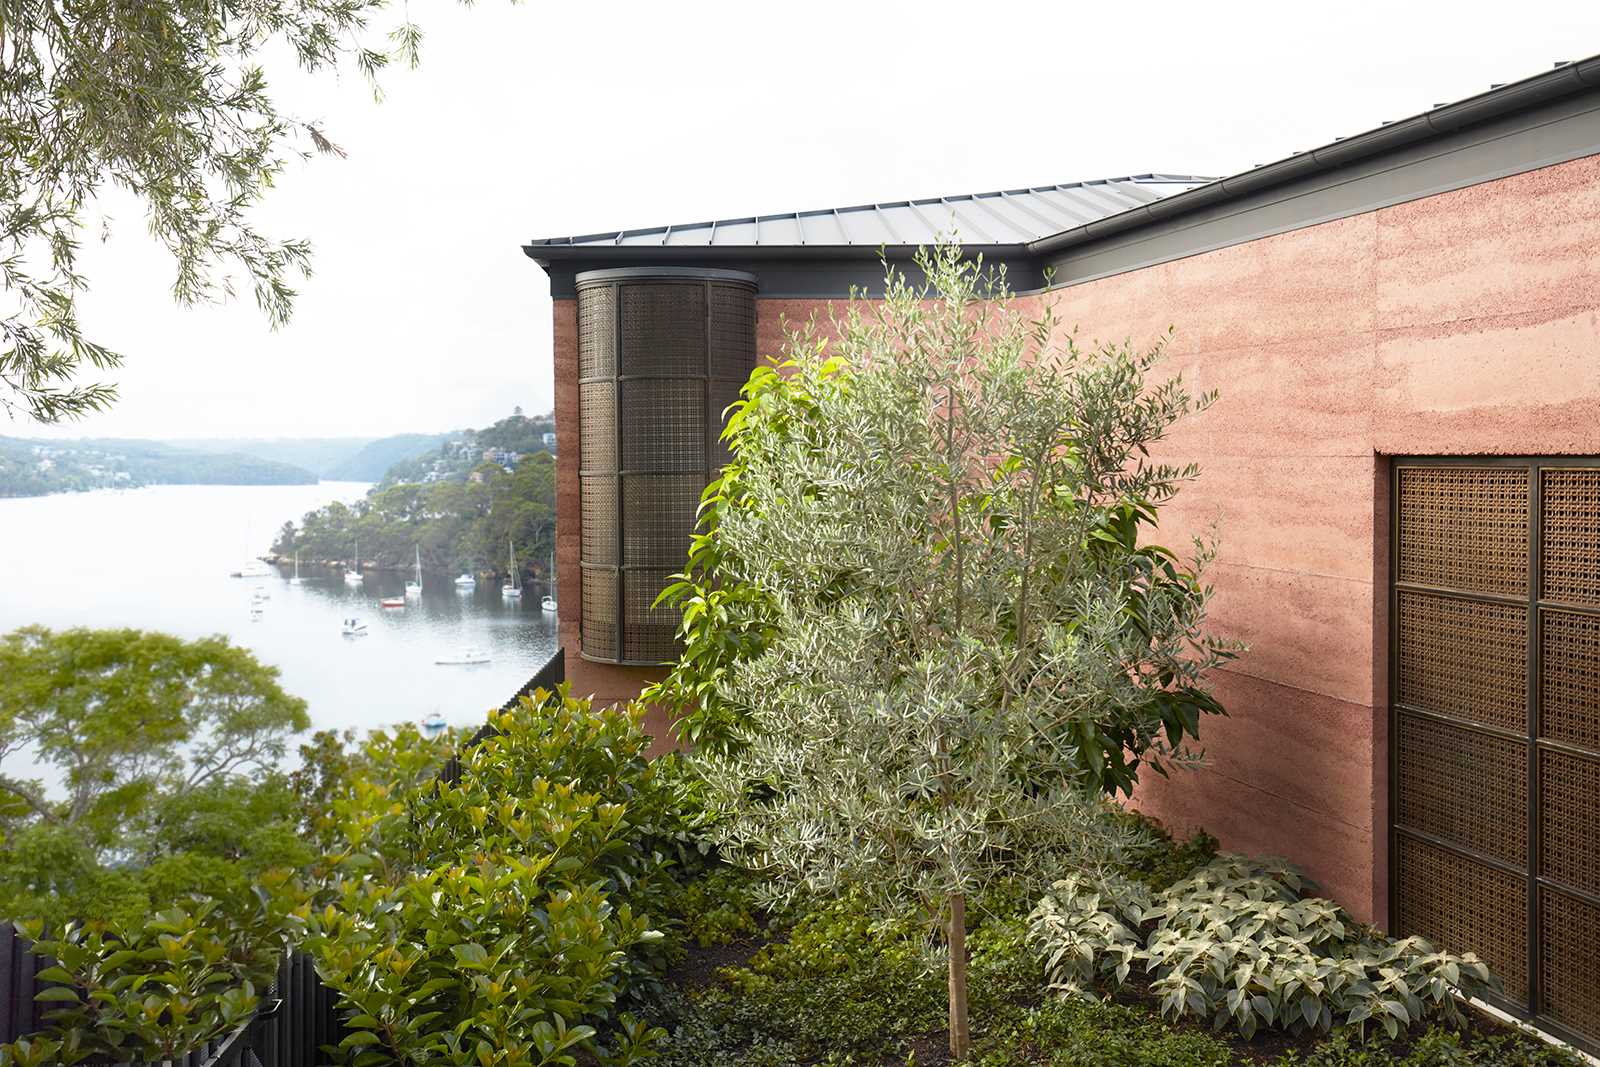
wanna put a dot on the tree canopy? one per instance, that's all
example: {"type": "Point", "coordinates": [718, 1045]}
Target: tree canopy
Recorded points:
{"type": "Point", "coordinates": [127, 719]}
{"type": "Point", "coordinates": [168, 101]}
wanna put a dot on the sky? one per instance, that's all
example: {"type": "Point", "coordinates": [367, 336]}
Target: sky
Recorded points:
{"type": "Point", "coordinates": [537, 119]}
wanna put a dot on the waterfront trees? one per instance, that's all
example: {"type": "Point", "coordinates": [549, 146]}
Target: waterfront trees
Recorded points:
{"type": "Point", "coordinates": [456, 525]}
{"type": "Point", "coordinates": [126, 718]}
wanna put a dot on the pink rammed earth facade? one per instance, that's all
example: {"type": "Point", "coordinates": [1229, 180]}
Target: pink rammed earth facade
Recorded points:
{"type": "Point", "coordinates": [1462, 323]}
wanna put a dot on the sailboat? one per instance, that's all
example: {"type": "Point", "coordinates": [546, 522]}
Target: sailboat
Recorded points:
{"type": "Point", "coordinates": [512, 589]}
{"type": "Point", "coordinates": [296, 579]}
{"type": "Point", "coordinates": [352, 575]}
{"type": "Point", "coordinates": [414, 587]}
{"type": "Point", "coordinates": [548, 604]}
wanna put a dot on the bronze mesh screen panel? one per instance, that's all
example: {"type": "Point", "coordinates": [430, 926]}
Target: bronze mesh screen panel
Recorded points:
{"type": "Point", "coordinates": [1454, 784]}
{"type": "Point", "coordinates": [664, 425]}
{"type": "Point", "coordinates": [599, 612]}
{"type": "Point", "coordinates": [1569, 968]}
{"type": "Point", "coordinates": [661, 511]}
{"type": "Point", "coordinates": [723, 395]}
{"type": "Point", "coordinates": [1464, 528]}
{"type": "Point", "coordinates": [661, 352]}
{"type": "Point", "coordinates": [1495, 728]}
{"type": "Point", "coordinates": [733, 333]}
{"type": "Point", "coordinates": [663, 329]}
{"type": "Point", "coordinates": [598, 513]}
{"type": "Point", "coordinates": [1569, 685]}
{"type": "Point", "coordinates": [1464, 906]}
{"type": "Point", "coordinates": [651, 633]}
{"type": "Point", "coordinates": [1466, 658]}
{"type": "Point", "coordinates": [1569, 803]}
{"type": "Point", "coordinates": [597, 340]}
{"type": "Point", "coordinates": [597, 427]}
{"type": "Point", "coordinates": [1570, 538]}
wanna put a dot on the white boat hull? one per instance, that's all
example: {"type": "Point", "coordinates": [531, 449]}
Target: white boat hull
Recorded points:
{"type": "Point", "coordinates": [464, 659]}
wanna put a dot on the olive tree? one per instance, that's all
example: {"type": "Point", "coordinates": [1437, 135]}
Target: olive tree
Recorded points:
{"type": "Point", "coordinates": [919, 610]}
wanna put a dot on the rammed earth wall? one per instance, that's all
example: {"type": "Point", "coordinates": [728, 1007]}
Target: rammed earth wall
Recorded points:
{"type": "Point", "coordinates": [1460, 323]}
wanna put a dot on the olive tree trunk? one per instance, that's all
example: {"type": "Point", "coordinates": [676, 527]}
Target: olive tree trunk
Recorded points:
{"type": "Point", "coordinates": [960, 1041]}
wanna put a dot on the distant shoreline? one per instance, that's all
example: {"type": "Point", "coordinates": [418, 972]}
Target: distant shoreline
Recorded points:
{"type": "Point", "coordinates": [4, 495]}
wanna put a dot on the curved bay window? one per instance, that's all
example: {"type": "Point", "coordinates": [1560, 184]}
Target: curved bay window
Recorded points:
{"type": "Point", "coordinates": [662, 352]}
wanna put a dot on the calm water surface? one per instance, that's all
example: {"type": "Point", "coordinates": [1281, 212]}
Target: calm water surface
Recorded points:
{"type": "Point", "coordinates": [159, 559]}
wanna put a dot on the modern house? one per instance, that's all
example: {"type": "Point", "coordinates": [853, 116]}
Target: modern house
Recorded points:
{"type": "Point", "coordinates": [1403, 468]}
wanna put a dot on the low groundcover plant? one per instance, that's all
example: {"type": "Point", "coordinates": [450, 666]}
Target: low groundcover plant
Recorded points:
{"type": "Point", "coordinates": [1237, 943]}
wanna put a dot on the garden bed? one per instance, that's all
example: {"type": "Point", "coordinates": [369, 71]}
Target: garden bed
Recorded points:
{"type": "Point", "coordinates": [820, 987]}
{"type": "Point", "coordinates": [702, 1001]}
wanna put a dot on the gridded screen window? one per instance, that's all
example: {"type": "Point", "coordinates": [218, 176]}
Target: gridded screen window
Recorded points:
{"type": "Point", "coordinates": [1495, 729]}
{"type": "Point", "coordinates": [661, 353]}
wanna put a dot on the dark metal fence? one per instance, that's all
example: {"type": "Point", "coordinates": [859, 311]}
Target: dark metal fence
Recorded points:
{"type": "Point", "coordinates": [298, 1014]}
{"type": "Point", "coordinates": [296, 1018]}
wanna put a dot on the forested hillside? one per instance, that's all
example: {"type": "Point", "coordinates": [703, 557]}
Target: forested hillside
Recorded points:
{"type": "Point", "coordinates": [34, 468]}
{"type": "Point", "coordinates": [461, 518]}
{"type": "Point", "coordinates": [457, 526]}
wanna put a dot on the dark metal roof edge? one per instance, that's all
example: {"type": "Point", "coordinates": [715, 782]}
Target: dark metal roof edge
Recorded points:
{"type": "Point", "coordinates": [1565, 80]}
{"type": "Point", "coordinates": [546, 254]}
{"type": "Point", "coordinates": [617, 236]}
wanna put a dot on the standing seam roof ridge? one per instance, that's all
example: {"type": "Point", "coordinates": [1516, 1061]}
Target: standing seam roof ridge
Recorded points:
{"type": "Point", "coordinates": [1016, 205]}
{"type": "Point", "coordinates": [960, 218]}
{"type": "Point", "coordinates": [684, 231]}
{"type": "Point", "coordinates": [983, 204]}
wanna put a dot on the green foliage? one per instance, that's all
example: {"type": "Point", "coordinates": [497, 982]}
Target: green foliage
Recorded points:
{"type": "Point", "coordinates": [1167, 861]}
{"type": "Point", "coordinates": [130, 720]}
{"type": "Point", "coordinates": [499, 920]}
{"type": "Point", "coordinates": [168, 103]}
{"type": "Point", "coordinates": [1236, 944]}
{"type": "Point", "coordinates": [1437, 1047]}
{"type": "Point", "coordinates": [841, 983]}
{"type": "Point", "coordinates": [1083, 1033]}
{"type": "Point", "coordinates": [333, 763]}
{"type": "Point", "coordinates": [716, 909]}
{"type": "Point", "coordinates": [919, 619]}
{"type": "Point", "coordinates": [154, 989]}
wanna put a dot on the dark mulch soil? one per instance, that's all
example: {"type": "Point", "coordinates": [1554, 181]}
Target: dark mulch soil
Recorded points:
{"type": "Point", "coordinates": [700, 966]}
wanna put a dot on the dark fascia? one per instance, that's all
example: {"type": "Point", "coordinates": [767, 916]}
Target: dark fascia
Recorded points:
{"type": "Point", "coordinates": [839, 266]}
{"type": "Point", "coordinates": [1529, 93]}
{"type": "Point", "coordinates": [799, 272]}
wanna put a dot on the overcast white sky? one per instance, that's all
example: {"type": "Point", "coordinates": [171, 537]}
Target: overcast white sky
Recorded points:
{"type": "Point", "coordinates": [552, 119]}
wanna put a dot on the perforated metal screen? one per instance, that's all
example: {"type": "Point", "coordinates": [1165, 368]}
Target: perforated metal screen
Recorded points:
{"type": "Point", "coordinates": [662, 352]}
{"type": "Point", "coordinates": [1495, 728]}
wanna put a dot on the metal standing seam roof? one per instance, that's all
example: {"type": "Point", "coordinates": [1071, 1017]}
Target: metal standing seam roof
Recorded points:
{"type": "Point", "coordinates": [1003, 217]}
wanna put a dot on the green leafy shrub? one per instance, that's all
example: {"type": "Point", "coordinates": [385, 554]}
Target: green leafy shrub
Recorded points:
{"type": "Point", "coordinates": [498, 921]}
{"type": "Point", "coordinates": [1237, 943]}
{"type": "Point", "coordinates": [716, 909]}
{"type": "Point", "coordinates": [1437, 1047]}
{"type": "Point", "coordinates": [1088, 1033]}
{"type": "Point", "coordinates": [154, 990]}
